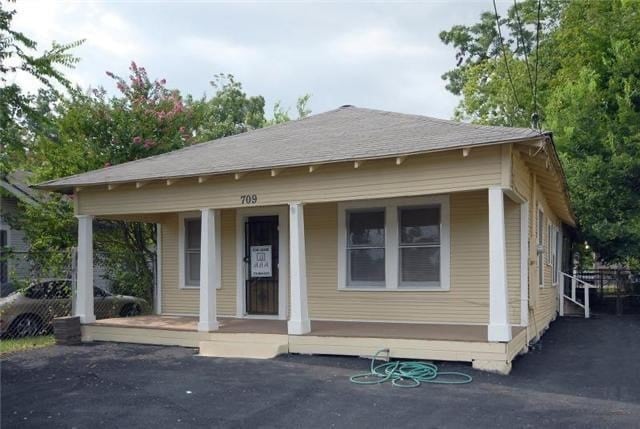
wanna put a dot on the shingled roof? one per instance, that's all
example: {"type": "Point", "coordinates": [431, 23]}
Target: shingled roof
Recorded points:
{"type": "Point", "coordinates": [344, 134]}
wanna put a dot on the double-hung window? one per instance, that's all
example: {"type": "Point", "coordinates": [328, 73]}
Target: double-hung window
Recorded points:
{"type": "Point", "coordinates": [419, 246]}
{"type": "Point", "coordinates": [394, 244]}
{"type": "Point", "coordinates": [555, 254]}
{"type": "Point", "coordinates": [540, 248]}
{"type": "Point", "coordinates": [366, 247]}
{"type": "Point", "coordinates": [190, 229]}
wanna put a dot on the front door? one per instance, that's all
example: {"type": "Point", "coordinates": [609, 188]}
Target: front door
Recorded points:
{"type": "Point", "coordinates": [261, 258]}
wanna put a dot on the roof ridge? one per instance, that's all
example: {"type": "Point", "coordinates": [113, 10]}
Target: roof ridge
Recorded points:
{"type": "Point", "coordinates": [441, 120]}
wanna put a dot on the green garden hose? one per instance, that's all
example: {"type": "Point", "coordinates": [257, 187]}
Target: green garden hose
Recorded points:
{"type": "Point", "coordinates": [408, 373]}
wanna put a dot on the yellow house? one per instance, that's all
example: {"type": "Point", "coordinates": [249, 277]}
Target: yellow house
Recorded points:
{"type": "Point", "coordinates": [342, 233]}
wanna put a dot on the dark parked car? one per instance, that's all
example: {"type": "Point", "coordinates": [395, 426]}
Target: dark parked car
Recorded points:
{"type": "Point", "coordinates": [31, 311]}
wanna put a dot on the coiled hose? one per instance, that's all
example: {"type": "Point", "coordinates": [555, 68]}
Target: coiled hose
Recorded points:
{"type": "Point", "coordinates": [408, 373]}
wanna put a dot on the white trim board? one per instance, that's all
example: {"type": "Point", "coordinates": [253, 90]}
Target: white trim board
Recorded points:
{"type": "Point", "coordinates": [158, 297]}
{"type": "Point", "coordinates": [524, 263]}
{"type": "Point", "coordinates": [283, 266]}
{"type": "Point", "coordinates": [392, 250]}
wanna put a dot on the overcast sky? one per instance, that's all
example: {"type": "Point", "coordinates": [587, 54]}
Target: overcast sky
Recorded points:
{"type": "Point", "coordinates": [385, 56]}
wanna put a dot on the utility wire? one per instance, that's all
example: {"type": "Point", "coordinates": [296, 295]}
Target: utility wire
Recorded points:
{"type": "Point", "coordinates": [504, 55]}
{"type": "Point", "coordinates": [524, 51]}
{"type": "Point", "coordinates": [536, 120]}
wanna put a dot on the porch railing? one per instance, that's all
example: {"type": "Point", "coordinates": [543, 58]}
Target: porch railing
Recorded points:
{"type": "Point", "coordinates": [569, 291]}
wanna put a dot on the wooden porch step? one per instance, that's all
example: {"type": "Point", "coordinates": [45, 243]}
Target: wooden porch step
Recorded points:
{"type": "Point", "coordinates": [249, 346]}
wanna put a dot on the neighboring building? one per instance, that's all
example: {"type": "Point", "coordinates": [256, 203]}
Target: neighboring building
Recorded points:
{"type": "Point", "coordinates": [14, 188]}
{"type": "Point", "coordinates": [15, 192]}
{"type": "Point", "coordinates": [343, 233]}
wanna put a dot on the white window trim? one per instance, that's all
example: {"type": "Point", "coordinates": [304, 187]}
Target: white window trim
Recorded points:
{"type": "Point", "coordinates": [555, 259]}
{"type": "Point", "coordinates": [540, 258]}
{"type": "Point", "coordinates": [7, 229]}
{"type": "Point", "coordinates": [392, 243]}
{"type": "Point", "coordinates": [181, 250]}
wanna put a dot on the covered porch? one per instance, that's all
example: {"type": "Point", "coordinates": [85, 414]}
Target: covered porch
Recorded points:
{"type": "Point", "coordinates": [259, 338]}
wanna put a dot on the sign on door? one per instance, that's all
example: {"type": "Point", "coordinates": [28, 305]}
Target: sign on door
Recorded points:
{"type": "Point", "coordinates": [260, 261]}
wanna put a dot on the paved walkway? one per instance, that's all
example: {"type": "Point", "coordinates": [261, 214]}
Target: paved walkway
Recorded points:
{"type": "Point", "coordinates": [585, 373]}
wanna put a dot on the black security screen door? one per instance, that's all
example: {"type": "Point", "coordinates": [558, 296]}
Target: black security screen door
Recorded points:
{"type": "Point", "coordinates": [261, 258]}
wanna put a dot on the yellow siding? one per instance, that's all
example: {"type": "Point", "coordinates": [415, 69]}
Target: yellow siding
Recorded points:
{"type": "Point", "coordinates": [419, 175]}
{"type": "Point", "coordinates": [542, 300]}
{"type": "Point", "coordinates": [465, 302]}
{"type": "Point", "coordinates": [545, 302]}
{"type": "Point", "coordinates": [186, 301]}
{"type": "Point", "coordinates": [521, 176]}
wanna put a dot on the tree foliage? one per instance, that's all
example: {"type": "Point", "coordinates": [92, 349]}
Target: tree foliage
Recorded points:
{"type": "Point", "coordinates": [21, 112]}
{"type": "Point", "coordinates": [58, 133]}
{"type": "Point", "coordinates": [587, 91]}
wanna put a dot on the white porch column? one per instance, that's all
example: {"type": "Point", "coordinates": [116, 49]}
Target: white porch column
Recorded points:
{"type": "Point", "coordinates": [499, 329]}
{"type": "Point", "coordinates": [84, 277]}
{"type": "Point", "coordinates": [209, 269]}
{"type": "Point", "coordinates": [299, 318]}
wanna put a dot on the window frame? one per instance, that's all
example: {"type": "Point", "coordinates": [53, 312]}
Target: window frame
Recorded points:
{"type": "Point", "coordinates": [182, 256]}
{"type": "Point", "coordinates": [555, 272]}
{"type": "Point", "coordinates": [392, 242]}
{"type": "Point", "coordinates": [417, 284]}
{"type": "Point", "coordinates": [365, 284]}
{"type": "Point", "coordinates": [4, 259]}
{"type": "Point", "coordinates": [540, 244]}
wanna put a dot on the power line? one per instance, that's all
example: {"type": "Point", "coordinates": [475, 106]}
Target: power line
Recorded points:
{"type": "Point", "coordinates": [524, 50]}
{"type": "Point", "coordinates": [536, 119]}
{"type": "Point", "coordinates": [504, 54]}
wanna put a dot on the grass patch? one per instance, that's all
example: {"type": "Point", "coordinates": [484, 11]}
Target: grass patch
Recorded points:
{"type": "Point", "coordinates": [26, 343]}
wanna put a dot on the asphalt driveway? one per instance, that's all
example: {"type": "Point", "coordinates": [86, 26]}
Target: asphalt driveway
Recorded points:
{"type": "Point", "coordinates": [583, 374]}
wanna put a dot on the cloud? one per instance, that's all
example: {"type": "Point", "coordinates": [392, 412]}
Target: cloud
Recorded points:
{"type": "Point", "coordinates": [376, 43]}
{"type": "Point", "coordinates": [386, 56]}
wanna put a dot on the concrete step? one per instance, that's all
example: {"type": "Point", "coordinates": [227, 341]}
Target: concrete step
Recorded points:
{"type": "Point", "coordinates": [250, 346]}
{"type": "Point", "coordinates": [572, 309]}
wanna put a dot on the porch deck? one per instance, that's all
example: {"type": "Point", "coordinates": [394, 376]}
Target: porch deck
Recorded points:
{"type": "Point", "coordinates": [264, 338]}
{"type": "Point", "coordinates": [319, 328]}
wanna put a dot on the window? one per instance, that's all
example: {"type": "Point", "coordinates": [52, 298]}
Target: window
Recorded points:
{"type": "Point", "coordinates": [549, 242]}
{"type": "Point", "coordinates": [192, 252]}
{"type": "Point", "coordinates": [365, 247]}
{"type": "Point", "coordinates": [555, 250]}
{"type": "Point", "coordinates": [4, 263]}
{"type": "Point", "coordinates": [419, 246]}
{"type": "Point", "coordinates": [394, 244]}
{"type": "Point", "coordinates": [540, 248]}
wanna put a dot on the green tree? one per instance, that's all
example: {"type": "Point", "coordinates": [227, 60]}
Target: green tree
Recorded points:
{"type": "Point", "coordinates": [280, 114]}
{"type": "Point", "coordinates": [21, 114]}
{"type": "Point", "coordinates": [587, 91]}
{"type": "Point", "coordinates": [230, 111]}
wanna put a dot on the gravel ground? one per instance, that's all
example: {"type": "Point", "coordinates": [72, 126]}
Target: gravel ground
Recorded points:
{"type": "Point", "coordinates": [584, 373]}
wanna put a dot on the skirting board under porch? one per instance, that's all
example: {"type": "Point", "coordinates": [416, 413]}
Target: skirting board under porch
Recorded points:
{"type": "Point", "coordinates": [331, 338]}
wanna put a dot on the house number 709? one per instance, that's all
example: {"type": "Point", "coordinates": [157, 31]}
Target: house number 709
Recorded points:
{"type": "Point", "coordinates": [249, 199]}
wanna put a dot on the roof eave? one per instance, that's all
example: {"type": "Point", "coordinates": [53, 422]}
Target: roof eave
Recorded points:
{"type": "Point", "coordinates": [53, 185]}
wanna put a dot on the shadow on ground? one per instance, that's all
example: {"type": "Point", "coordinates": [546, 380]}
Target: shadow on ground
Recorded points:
{"type": "Point", "coordinates": [583, 374]}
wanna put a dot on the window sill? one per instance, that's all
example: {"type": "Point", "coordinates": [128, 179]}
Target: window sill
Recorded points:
{"type": "Point", "coordinates": [403, 289]}
{"type": "Point", "coordinates": [195, 287]}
